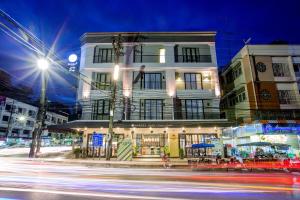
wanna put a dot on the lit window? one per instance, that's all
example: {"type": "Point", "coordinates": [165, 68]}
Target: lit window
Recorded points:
{"type": "Point", "coordinates": [162, 55]}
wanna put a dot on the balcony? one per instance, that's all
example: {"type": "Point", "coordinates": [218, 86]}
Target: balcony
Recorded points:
{"type": "Point", "coordinates": [193, 59]}
{"type": "Point", "coordinates": [184, 115]}
{"type": "Point", "coordinates": [277, 115]}
{"type": "Point", "coordinates": [146, 59]}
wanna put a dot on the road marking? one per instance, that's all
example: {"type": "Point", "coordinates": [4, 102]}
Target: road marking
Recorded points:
{"type": "Point", "coordinates": [108, 195]}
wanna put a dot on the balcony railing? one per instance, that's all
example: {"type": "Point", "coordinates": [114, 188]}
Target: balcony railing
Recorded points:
{"type": "Point", "coordinates": [183, 115]}
{"type": "Point", "coordinates": [193, 58]}
{"type": "Point", "coordinates": [277, 115]}
{"type": "Point", "coordinates": [146, 59]}
{"type": "Point", "coordinates": [153, 85]}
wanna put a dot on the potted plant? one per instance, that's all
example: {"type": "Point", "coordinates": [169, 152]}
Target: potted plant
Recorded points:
{"type": "Point", "coordinates": [77, 152]}
{"type": "Point", "coordinates": [181, 153]}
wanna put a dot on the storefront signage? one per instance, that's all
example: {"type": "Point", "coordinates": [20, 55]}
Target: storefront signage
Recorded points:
{"type": "Point", "coordinates": [291, 129]}
{"type": "Point", "coordinates": [97, 140]}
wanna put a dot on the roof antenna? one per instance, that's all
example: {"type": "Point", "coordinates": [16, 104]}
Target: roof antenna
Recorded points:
{"type": "Point", "coordinates": [247, 41]}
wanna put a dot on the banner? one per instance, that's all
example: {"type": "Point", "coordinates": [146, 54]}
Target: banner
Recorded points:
{"type": "Point", "coordinates": [287, 129]}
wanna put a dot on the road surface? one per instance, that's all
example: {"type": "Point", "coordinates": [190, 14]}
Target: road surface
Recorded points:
{"type": "Point", "coordinates": [31, 179]}
{"type": "Point", "coordinates": [25, 150]}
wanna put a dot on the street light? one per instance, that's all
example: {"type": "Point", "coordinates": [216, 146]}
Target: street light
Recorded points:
{"type": "Point", "coordinates": [42, 64]}
{"type": "Point", "coordinates": [22, 118]}
{"type": "Point", "coordinates": [116, 72]}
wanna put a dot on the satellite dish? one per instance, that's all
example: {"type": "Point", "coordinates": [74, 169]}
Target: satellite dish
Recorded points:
{"type": "Point", "coordinates": [72, 58]}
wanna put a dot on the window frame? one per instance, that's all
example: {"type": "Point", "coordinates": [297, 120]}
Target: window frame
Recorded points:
{"type": "Point", "coordinates": [97, 82]}
{"type": "Point", "coordinates": [153, 109]}
{"type": "Point", "coordinates": [189, 108]}
{"type": "Point", "coordinates": [195, 82]}
{"type": "Point", "coordinates": [98, 105]}
{"type": "Point", "coordinates": [151, 82]}
{"type": "Point", "coordinates": [99, 52]}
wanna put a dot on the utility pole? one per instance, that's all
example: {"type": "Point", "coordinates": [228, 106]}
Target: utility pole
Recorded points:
{"type": "Point", "coordinates": [117, 47]}
{"type": "Point", "coordinates": [39, 120]}
{"type": "Point", "coordinates": [39, 137]}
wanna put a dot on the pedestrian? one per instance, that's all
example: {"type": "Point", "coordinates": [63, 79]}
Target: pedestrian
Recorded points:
{"type": "Point", "coordinates": [166, 161]}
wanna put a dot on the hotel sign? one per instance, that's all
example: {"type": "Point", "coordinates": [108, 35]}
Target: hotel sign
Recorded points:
{"type": "Point", "coordinates": [288, 129]}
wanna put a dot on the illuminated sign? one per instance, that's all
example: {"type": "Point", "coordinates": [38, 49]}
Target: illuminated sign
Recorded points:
{"type": "Point", "coordinates": [97, 140]}
{"type": "Point", "coordinates": [291, 129]}
{"type": "Point", "coordinates": [72, 62]}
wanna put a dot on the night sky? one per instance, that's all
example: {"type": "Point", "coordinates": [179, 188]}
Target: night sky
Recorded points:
{"type": "Point", "coordinates": [66, 20]}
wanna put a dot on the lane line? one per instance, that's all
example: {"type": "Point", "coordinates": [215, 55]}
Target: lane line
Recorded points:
{"type": "Point", "coordinates": [108, 195]}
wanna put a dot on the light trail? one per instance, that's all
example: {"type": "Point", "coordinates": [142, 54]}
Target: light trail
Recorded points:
{"type": "Point", "coordinates": [33, 176]}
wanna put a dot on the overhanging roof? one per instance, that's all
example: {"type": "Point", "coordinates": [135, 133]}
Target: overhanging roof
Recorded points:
{"type": "Point", "coordinates": [107, 37]}
{"type": "Point", "coordinates": [144, 123]}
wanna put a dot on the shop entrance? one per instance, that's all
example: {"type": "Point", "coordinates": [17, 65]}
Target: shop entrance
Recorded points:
{"type": "Point", "coordinates": [100, 152]}
{"type": "Point", "coordinates": [150, 144]}
{"type": "Point", "coordinates": [186, 141]}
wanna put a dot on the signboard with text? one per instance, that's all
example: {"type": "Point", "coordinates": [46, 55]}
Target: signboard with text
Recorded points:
{"type": "Point", "coordinates": [97, 140]}
{"type": "Point", "coordinates": [288, 129]}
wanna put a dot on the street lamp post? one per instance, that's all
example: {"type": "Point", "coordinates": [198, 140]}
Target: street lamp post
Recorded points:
{"type": "Point", "coordinates": [43, 66]}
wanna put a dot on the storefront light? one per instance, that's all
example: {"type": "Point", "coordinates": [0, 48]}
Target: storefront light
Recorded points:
{"type": "Point", "coordinates": [85, 128]}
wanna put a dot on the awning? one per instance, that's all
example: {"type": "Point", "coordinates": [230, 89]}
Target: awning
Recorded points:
{"type": "Point", "coordinates": [255, 144]}
{"type": "Point", "coordinates": [202, 145]}
{"type": "Point", "coordinates": [145, 123]}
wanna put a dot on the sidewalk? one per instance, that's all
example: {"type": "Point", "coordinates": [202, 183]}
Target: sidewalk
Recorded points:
{"type": "Point", "coordinates": [137, 162]}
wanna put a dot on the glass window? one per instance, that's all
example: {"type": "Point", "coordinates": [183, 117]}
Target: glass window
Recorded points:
{"type": "Point", "coordinates": [152, 81]}
{"type": "Point", "coordinates": [286, 96]}
{"type": "Point", "coordinates": [153, 109]}
{"type": "Point", "coordinates": [100, 109]}
{"type": "Point", "coordinates": [8, 107]}
{"type": "Point", "coordinates": [103, 55]}
{"type": "Point", "coordinates": [101, 81]}
{"type": "Point", "coordinates": [193, 81]}
{"type": "Point", "coordinates": [193, 108]}
{"type": "Point", "coordinates": [5, 118]}
{"type": "Point", "coordinates": [296, 67]}
{"type": "Point", "coordinates": [281, 70]}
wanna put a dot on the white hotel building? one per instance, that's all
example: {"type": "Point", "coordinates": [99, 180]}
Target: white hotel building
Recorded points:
{"type": "Point", "coordinates": [168, 91]}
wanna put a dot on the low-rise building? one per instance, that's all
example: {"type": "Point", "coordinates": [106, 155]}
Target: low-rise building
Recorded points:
{"type": "Point", "coordinates": [18, 119]}
{"type": "Point", "coordinates": [260, 92]}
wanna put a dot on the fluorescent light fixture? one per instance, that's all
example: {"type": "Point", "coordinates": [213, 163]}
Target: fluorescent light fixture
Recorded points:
{"type": "Point", "coordinates": [162, 55]}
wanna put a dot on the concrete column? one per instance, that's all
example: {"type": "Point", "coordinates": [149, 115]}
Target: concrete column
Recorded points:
{"type": "Point", "coordinates": [170, 59]}
{"type": "Point", "coordinates": [213, 54]}
{"type": "Point", "coordinates": [173, 144]}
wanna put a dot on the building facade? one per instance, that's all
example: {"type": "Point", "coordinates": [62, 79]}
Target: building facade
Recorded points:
{"type": "Point", "coordinates": [18, 119]}
{"type": "Point", "coordinates": [260, 91]}
{"type": "Point", "coordinates": [168, 91]}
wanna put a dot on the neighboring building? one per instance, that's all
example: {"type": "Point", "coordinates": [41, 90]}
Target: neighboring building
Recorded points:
{"type": "Point", "coordinates": [260, 89]}
{"type": "Point", "coordinates": [17, 119]}
{"type": "Point", "coordinates": [168, 94]}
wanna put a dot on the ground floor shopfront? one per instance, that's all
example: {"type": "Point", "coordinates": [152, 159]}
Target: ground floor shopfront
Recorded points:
{"type": "Point", "coordinates": [280, 134]}
{"type": "Point", "coordinates": [154, 142]}
{"type": "Point", "coordinates": [152, 139]}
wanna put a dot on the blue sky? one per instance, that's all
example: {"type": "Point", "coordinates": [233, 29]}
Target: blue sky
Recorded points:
{"type": "Point", "coordinates": [66, 20]}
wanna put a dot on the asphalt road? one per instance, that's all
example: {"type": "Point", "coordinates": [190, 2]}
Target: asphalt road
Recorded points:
{"type": "Point", "coordinates": [31, 179]}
